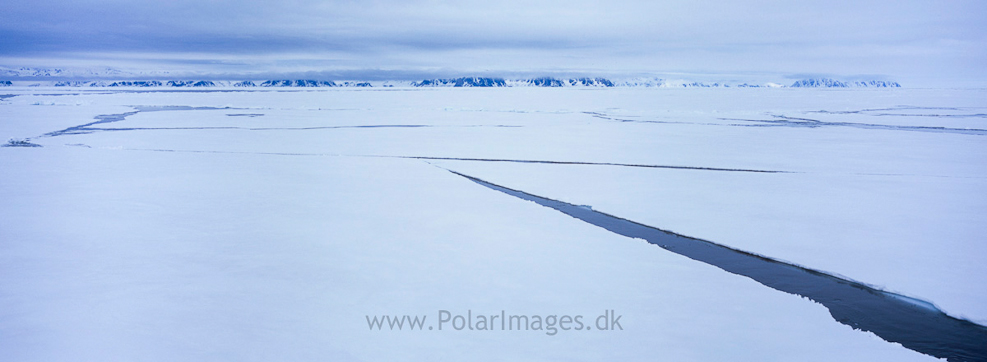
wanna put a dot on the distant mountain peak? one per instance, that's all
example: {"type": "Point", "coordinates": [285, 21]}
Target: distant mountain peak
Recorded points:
{"type": "Point", "coordinates": [831, 83]}
{"type": "Point", "coordinates": [298, 83]}
{"type": "Point", "coordinates": [462, 82]}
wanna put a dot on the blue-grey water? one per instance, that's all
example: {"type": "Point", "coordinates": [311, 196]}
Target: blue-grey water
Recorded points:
{"type": "Point", "coordinates": [915, 324]}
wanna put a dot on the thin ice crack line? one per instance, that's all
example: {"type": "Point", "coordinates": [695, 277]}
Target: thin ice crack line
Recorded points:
{"type": "Point", "coordinates": [904, 108]}
{"type": "Point", "coordinates": [783, 121]}
{"type": "Point", "coordinates": [458, 159]}
{"type": "Point", "coordinates": [92, 129]}
{"type": "Point", "coordinates": [622, 120]}
{"type": "Point", "coordinates": [786, 121]}
{"type": "Point", "coordinates": [230, 152]}
{"type": "Point", "coordinates": [100, 119]}
{"type": "Point", "coordinates": [85, 129]}
{"type": "Point", "coordinates": [425, 158]}
{"type": "Point", "coordinates": [110, 118]}
{"type": "Point", "coordinates": [914, 323]}
{"type": "Point", "coordinates": [977, 115]}
{"type": "Point", "coordinates": [593, 164]}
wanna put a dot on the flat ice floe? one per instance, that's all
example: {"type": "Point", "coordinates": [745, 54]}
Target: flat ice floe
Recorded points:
{"type": "Point", "coordinates": [193, 231]}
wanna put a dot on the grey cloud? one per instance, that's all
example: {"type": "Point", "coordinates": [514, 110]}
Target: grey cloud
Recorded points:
{"type": "Point", "coordinates": [817, 36]}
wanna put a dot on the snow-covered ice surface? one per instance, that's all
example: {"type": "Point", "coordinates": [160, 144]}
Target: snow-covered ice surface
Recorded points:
{"type": "Point", "coordinates": [268, 225]}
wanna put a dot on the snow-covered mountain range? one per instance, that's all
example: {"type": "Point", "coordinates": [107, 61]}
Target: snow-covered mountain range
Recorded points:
{"type": "Point", "coordinates": [58, 77]}
{"type": "Point", "coordinates": [831, 83]}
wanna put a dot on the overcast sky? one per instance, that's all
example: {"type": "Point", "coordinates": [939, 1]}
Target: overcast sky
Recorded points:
{"type": "Point", "coordinates": [903, 40]}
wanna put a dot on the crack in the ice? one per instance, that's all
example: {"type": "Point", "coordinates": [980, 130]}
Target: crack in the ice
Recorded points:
{"type": "Point", "coordinates": [426, 158]}
{"type": "Point", "coordinates": [976, 115]}
{"type": "Point", "coordinates": [592, 164]}
{"type": "Point", "coordinates": [87, 130]}
{"type": "Point", "coordinates": [796, 119]}
{"type": "Point", "coordinates": [785, 121]}
{"type": "Point", "coordinates": [15, 142]}
{"type": "Point", "coordinates": [622, 120]}
{"type": "Point", "coordinates": [383, 126]}
{"type": "Point", "coordinates": [870, 111]}
{"type": "Point", "coordinates": [84, 128]}
{"type": "Point", "coordinates": [896, 108]}
{"type": "Point", "coordinates": [611, 118]}
{"type": "Point", "coordinates": [915, 324]}
{"type": "Point", "coordinates": [466, 159]}
{"type": "Point", "coordinates": [110, 118]}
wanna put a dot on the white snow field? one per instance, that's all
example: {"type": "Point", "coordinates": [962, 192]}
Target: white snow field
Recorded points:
{"type": "Point", "coordinates": [268, 225]}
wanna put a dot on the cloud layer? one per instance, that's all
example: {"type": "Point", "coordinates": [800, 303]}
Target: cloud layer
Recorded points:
{"type": "Point", "coordinates": [907, 38]}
